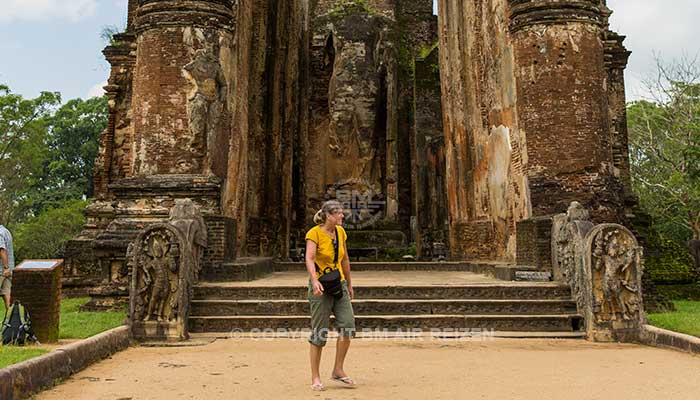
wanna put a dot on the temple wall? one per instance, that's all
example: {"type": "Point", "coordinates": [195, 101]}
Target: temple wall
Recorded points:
{"type": "Point", "coordinates": [485, 149]}
{"type": "Point", "coordinates": [258, 189]}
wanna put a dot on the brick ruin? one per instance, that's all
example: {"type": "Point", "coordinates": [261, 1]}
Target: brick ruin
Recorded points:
{"type": "Point", "coordinates": [460, 127]}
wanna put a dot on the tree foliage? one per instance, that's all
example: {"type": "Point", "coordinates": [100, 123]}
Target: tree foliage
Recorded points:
{"type": "Point", "coordinates": [47, 152]}
{"type": "Point", "coordinates": [72, 141]}
{"type": "Point", "coordinates": [22, 149]}
{"type": "Point", "coordinates": [44, 235]}
{"type": "Point", "coordinates": [664, 136]}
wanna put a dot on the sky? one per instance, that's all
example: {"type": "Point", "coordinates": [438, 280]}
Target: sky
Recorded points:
{"type": "Point", "coordinates": [55, 45]}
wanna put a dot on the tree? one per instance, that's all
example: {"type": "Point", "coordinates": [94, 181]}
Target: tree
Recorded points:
{"type": "Point", "coordinates": [72, 142]}
{"type": "Point", "coordinates": [22, 149]}
{"type": "Point", "coordinates": [664, 136]}
{"type": "Point", "coordinates": [44, 235]}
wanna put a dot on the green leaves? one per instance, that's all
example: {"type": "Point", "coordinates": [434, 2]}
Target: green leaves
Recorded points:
{"type": "Point", "coordinates": [665, 152]}
{"type": "Point", "coordinates": [22, 149]}
{"type": "Point", "coordinates": [47, 152]}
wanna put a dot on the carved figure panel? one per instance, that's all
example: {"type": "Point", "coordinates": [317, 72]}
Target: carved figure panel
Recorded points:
{"type": "Point", "coordinates": [616, 275]}
{"type": "Point", "coordinates": [156, 265]}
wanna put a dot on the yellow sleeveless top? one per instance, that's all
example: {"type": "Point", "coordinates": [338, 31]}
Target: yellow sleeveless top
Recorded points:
{"type": "Point", "coordinates": [325, 251]}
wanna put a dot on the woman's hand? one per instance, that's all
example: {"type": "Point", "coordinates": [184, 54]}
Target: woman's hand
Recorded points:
{"type": "Point", "coordinates": [351, 292]}
{"type": "Point", "coordinates": [317, 287]}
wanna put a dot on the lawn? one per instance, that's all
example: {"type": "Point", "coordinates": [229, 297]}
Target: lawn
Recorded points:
{"type": "Point", "coordinates": [74, 325]}
{"type": "Point", "coordinates": [686, 318]}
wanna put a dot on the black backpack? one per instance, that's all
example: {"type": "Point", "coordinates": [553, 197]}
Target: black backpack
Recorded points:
{"type": "Point", "coordinates": [17, 326]}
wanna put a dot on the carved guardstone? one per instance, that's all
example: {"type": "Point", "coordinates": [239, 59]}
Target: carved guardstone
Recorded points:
{"type": "Point", "coordinates": [603, 266]}
{"type": "Point", "coordinates": [165, 261]}
{"type": "Point", "coordinates": [613, 265]}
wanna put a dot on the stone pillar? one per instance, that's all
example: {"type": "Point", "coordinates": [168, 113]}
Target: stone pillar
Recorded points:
{"type": "Point", "coordinates": [181, 86]}
{"type": "Point", "coordinates": [563, 104]}
{"type": "Point", "coordinates": [485, 150]}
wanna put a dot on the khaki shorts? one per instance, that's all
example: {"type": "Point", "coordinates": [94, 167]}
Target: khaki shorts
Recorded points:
{"type": "Point", "coordinates": [321, 308]}
{"type": "Point", "coordinates": [5, 285]}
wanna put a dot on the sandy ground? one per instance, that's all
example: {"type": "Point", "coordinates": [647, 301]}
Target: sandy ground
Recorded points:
{"type": "Point", "coordinates": [390, 368]}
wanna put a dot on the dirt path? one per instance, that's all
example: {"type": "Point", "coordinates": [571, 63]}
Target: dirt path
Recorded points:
{"type": "Point", "coordinates": [417, 369]}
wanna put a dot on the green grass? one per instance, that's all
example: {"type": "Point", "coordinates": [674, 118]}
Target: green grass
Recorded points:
{"type": "Point", "coordinates": [76, 324]}
{"type": "Point", "coordinates": [686, 318]}
{"type": "Point", "coordinates": [13, 354]}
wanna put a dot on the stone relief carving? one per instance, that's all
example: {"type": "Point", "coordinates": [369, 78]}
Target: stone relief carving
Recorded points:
{"type": "Point", "coordinates": [205, 104]}
{"type": "Point", "coordinates": [616, 275]}
{"type": "Point", "coordinates": [568, 231]}
{"type": "Point", "coordinates": [157, 276]}
{"type": "Point", "coordinates": [165, 260]}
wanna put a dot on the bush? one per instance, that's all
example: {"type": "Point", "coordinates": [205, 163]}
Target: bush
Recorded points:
{"type": "Point", "coordinates": [44, 235]}
{"type": "Point", "coordinates": [668, 262]}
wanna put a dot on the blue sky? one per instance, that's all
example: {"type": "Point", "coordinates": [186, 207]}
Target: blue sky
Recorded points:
{"type": "Point", "coordinates": [55, 44]}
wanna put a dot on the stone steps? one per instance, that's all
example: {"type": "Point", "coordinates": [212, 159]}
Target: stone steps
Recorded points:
{"type": "Point", "coordinates": [402, 297]}
{"type": "Point", "coordinates": [506, 290]}
{"type": "Point", "coordinates": [367, 307]}
{"type": "Point", "coordinates": [527, 323]}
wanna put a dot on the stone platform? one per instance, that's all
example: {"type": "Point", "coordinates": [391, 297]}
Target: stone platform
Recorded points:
{"type": "Point", "coordinates": [395, 299]}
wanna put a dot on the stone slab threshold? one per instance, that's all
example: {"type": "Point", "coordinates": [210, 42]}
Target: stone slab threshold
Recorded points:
{"type": "Point", "coordinates": [21, 380]}
{"type": "Point", "coordinates": [658, 337]}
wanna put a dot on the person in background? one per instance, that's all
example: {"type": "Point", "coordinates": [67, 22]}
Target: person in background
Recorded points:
{"type": "Point", "coordinates": [7, 259]}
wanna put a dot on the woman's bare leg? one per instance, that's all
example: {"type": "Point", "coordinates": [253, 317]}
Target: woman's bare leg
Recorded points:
{"type": "Point", "coordinates": [315, 354]}
{"type": "Point", "coordinates": [341, 351]}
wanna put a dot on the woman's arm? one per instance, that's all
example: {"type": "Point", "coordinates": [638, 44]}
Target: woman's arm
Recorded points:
{"type": "Point", "coordinates": [311, 267]}
{"type": "Point", "coordinates": [345, 264]}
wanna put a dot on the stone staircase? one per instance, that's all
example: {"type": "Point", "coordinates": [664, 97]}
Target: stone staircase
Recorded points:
{"type": "Point", "coordinates": [391, 297]}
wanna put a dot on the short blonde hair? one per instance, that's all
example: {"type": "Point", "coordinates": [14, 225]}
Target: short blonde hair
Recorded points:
{"type": "Point", "coordinates": [328, 207]}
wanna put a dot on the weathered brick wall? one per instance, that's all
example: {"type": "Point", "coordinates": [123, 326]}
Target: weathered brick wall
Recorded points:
{"type": "Point", "coordinates": [534, 245]}
{"type": "Point", "coordinates": [179, 98]}
{"type": "Point", "coordinates": [473, 241]}
{"type": "Point", "coordinates": [221, 241]}
{"type": "Point", "coordinates": [563, 105]}
{"type": "Point", "coordinates": [484, 146]}
{"type": "Point", "coordinates": [385, 7]}
{"type": "Point", "coordinates": [616, 57]}
{"type": "Point", "coordinates": [40, 292]}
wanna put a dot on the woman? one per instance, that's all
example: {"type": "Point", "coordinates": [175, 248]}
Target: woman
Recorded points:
{"type": "Point", "coordinates": [330, 290]}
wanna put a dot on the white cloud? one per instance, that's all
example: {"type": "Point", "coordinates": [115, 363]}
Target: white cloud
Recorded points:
{"type": "Point", "coordinates": [96, 91]}
{"type": "Point", "coordinates": [35, 10]}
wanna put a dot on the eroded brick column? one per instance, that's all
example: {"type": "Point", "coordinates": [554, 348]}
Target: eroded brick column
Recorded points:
{"type": "Point", "coordinates": [181, 87]}
{"type": "Point", "coordinates": [562, 104]}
